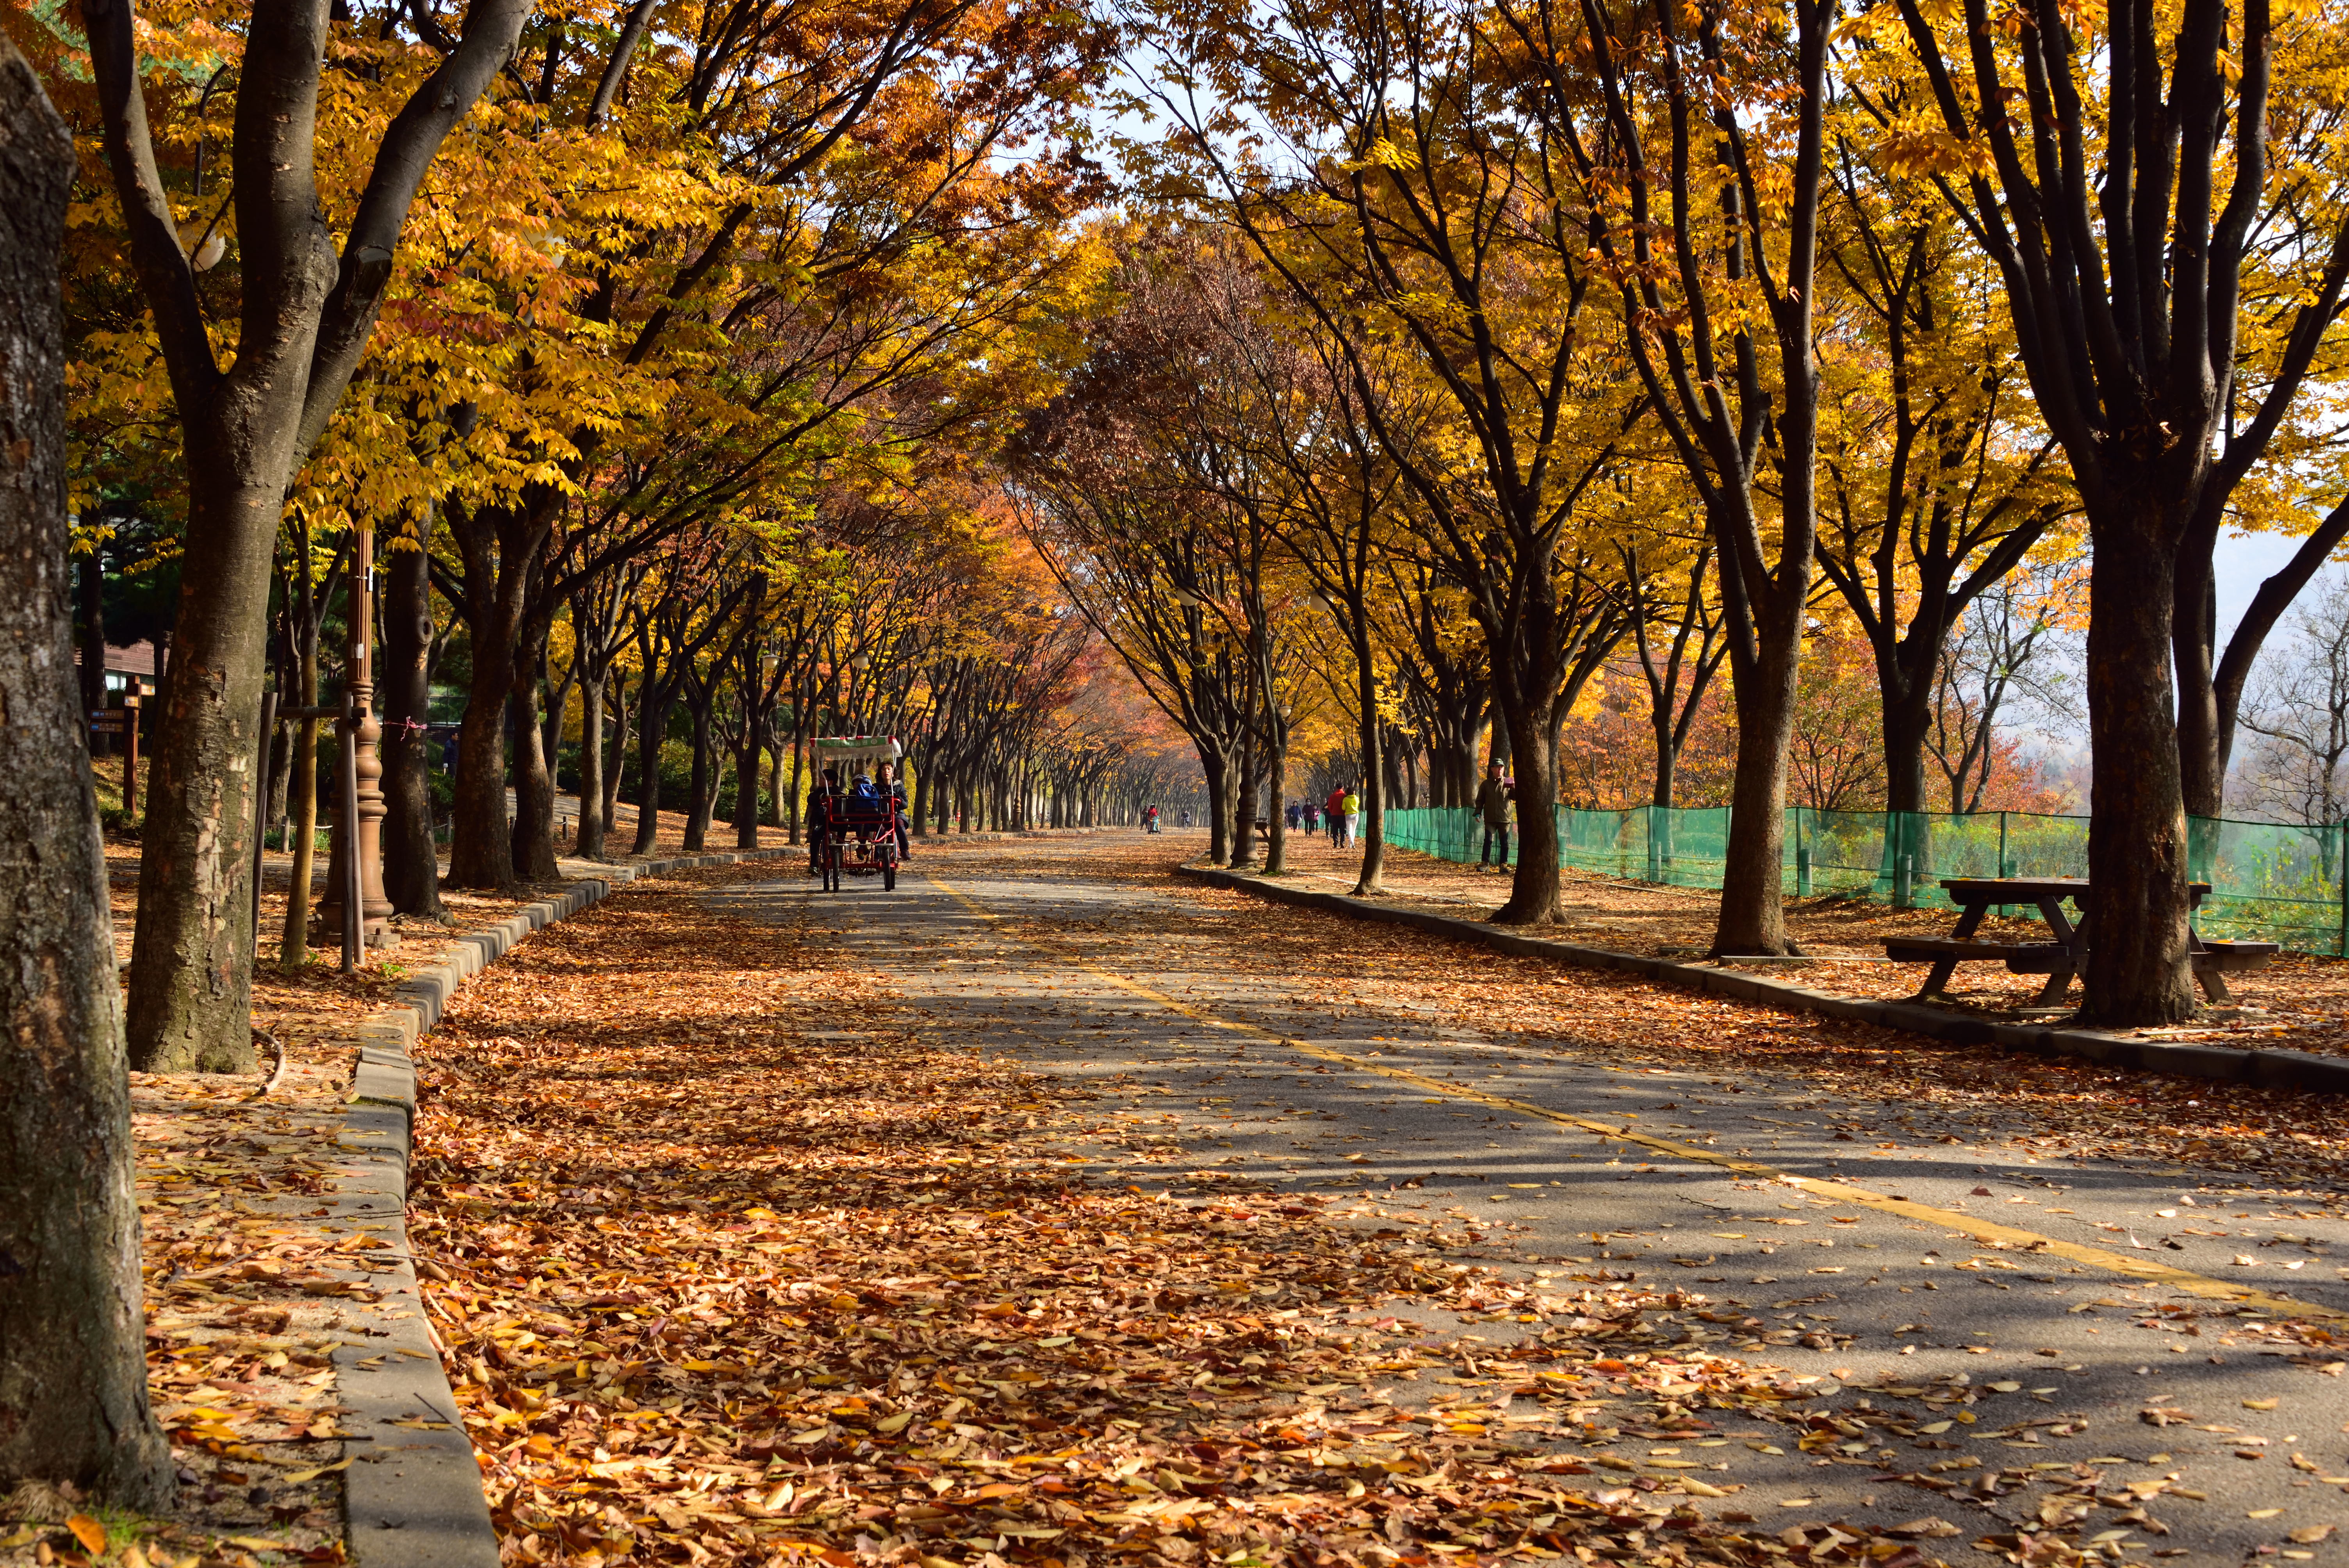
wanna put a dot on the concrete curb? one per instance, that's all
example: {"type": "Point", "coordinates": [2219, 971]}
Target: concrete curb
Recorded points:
{"type": "Point", "coordinates": [1015, 834]}
{"type": "Point", "coordinates": [2293, 1070]}
{"type": "Point", "coordinates": [413, 1494]}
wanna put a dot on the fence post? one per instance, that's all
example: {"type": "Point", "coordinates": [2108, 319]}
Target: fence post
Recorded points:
{"type": "Point", "coordinates": [1903, 886]}
{"type": "Point", "coordinates": [2341, 862]}
{"type": "Point", "coordinates": [2004, 869]}
{"type": "Point", "coordinates": [1802, 857]}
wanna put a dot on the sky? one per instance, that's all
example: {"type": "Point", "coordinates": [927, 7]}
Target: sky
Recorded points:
{"type": "Point", "coordinates": [2240, 562]}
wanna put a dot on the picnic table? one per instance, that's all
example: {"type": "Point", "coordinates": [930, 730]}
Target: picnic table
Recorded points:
{"type": "Point", "coordinates": [2064, 956]}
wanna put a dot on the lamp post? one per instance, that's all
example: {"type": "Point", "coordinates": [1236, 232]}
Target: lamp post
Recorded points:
{"type": "Point", "coordinates": [361, 807]}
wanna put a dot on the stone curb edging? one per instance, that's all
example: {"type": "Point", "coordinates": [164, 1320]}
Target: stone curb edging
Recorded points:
{"type": "Point", "coordinates": [2295, 1071]}
{"type": "Point", "coordinates": [1013, 833]}
{"type": "Point", "coordinates": [412, 1494]}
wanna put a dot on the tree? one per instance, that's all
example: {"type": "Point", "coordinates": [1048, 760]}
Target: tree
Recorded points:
{"type": "Point", "coordinates": [73, 1368]}
{"type": "Point", "coordinates": [304, 309]}
{"type": "Point", "coordinates": [1426, 199]}
{"type": "Point", "coordinates": [1717, 113]}
{"type": "Point", "coordinates": [2119, 175]}
{"type": "Point", "coordinates": [1673, 711]}
{"type": "Point", "coordinates": [2301, 714]}
{"type": "Point", "coordinates": [1997, 660]}
{"type": "Point", "coordinates": [411, 862]}
{"type": "Point", "coordinates": [1937, 482]}
{"type": "Point", "coordinates": [1837, 752]}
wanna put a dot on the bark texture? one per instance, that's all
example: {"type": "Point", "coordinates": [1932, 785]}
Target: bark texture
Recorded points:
{"type": "Point", "coordinates": [411, 866]}
{"type": "Point", "coordinates": [73, 1369]}
{"type": "Point", "coordinates": [305, 314]}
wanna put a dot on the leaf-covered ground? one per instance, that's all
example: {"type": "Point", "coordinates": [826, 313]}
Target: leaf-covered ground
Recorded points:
{"type": "Point", "coordinates": [249, 1283]}
{"type": "Point", "coordinates": [2295, 1145]}
{"type": "Point", "coordinates": [735, 1261]}
{"type": "Point", "coordinates": [2299, 1002]}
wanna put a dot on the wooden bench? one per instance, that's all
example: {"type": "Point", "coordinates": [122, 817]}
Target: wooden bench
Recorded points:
{"type": "Point", "coordinates": [2020, 957]}
{"type": "Point", "coordinates": [2214, 960]}
{"type": "Point", "coordinates": [2061, 958]}
{"type": "Point", "coordinates": [1975, 897]}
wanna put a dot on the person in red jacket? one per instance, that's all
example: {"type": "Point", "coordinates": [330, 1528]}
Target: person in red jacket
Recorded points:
{"type": "Point", "coordinates": [1333, 812]}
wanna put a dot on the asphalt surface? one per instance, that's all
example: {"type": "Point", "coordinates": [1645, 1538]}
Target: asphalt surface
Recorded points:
{"type": "Point", "coordinates": [1820, 1251]}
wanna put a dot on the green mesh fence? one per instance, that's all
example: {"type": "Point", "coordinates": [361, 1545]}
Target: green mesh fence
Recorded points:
{"type": "Point", "coordinates": [2272, 881]}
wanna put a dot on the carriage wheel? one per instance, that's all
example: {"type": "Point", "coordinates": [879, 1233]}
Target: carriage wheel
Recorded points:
{"type": "Point", "coordinates": [831, 870]}
{"type": "Point", "coordinates": [888, 874]}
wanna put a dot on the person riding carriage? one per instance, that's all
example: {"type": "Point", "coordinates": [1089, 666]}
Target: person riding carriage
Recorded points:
{"type": "Point", "coordinates": [859, 827]}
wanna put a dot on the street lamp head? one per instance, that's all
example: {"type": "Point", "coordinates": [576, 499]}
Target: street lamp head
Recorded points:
{"type": "Point", "coordinates": [861, 663]}
{"type": "Point", "coordinates": [1184, 597]}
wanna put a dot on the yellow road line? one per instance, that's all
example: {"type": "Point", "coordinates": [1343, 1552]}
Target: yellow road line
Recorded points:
{"type": "Point", "coordinates": [2147, 1270]}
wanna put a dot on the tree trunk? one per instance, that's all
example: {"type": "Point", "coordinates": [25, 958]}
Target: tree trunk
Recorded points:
{"type": "Point", "coordinates": [1276, 854]}
{"type": "Point", "coordinates": [1668, 755]}
{"type": "Point", "coordinates": [652, 725]}
{"type": "Point", "coordinates": [703, 787]}
{"type": "Point", "coordinates": [2137, 972]}
{"type": "Point", "coordinates": [533, 845]}
{"type": "Point", "coordinates": [302, 829]}
{"type": "Point", "coordinates": [1532, 755]}
{"type": "Point", "coordinates": [1243, 807]}
{"type": "Point", "coordinates": [93, 639]}
{"type": "Point", "coordinates": [746, 776]}
{"type": "Point", "coordinates": [73, 1368]}
{"type": "Point", "coordinates": [481, 845]}
{"type": "Point", "coordinates": [620, 711]}
{"type": "Point", "coordinates": [192, 975]}
{"type": "Point", "coordinates": [1374, 815]}
{"type": "Point", "coordinates": [2205, 723]}
{"type": "Point", "coordinates": [1907, 719]}
{"type": "Point", "coordinates": [776, 809]}
{"type": "Point", "coordinates": [412, 861]}
{"type": "Point", "coordinates": [1753, 908]}
{"type": "Point", "coordinates": [790, 809]}
{"type": "Point", "coordinates": [589, 844]}
{"type": "Point", "coordinates": [498, 549]}
{"type": "Point", "coordinates": [280, 775]}
{"type": "Point", "coordinates": [558, 703]}
{"type": "Point", "coordinates": [1220, 812]}
{"type": "Point", "coordinates": [307, 319]}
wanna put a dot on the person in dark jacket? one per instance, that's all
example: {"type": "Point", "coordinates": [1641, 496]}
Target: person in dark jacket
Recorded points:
{"type": "Point", "coordinates": [1493, 798]}
{"type": "Point", "coordinates": [894, 788]}
{"type": "Point", "coordinates": [827, 789]}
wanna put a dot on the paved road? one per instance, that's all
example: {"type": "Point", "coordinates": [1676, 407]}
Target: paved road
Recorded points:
{"type": "Point", "coordinates": [2069, 1298]}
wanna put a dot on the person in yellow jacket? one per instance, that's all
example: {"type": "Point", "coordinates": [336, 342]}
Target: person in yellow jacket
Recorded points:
{"type": "Point", "coordinates": [1352, 806]}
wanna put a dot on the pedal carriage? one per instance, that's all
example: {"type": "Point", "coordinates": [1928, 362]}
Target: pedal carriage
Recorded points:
{"type": "Point", "coordinates": [859, 830]}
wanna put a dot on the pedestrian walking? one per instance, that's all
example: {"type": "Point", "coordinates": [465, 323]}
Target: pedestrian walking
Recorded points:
{"type": "Point", "coordinates": [1353, 806]}
{"type": "Point", "coordinates": [1493, 798]}
{"type": "Point", "coordinates": [1334, 810]}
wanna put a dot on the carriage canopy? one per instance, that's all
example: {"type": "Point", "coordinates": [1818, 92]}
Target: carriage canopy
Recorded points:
{"type": "Point", "coordinates": [855, 748]}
